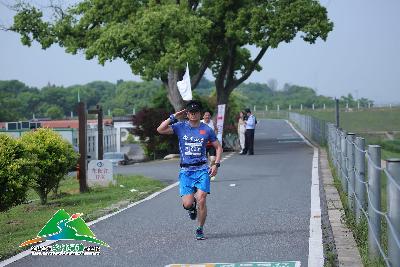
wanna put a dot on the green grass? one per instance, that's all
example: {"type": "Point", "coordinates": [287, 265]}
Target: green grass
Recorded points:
{"type": "Point", "coordinates": [370, 124]}
{"type": "Point", "coordinates": [24, 221]}
{"type": "Point", "coordinates": [360, 230]}
{"type": "Point", "coordinates": [386, 154]}
{"type": "Point", "coordinates": [391, 145]}
{"type": "Point", "coordinates": [362, 121]}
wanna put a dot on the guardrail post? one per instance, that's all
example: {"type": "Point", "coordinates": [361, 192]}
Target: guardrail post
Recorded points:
{"type": "Point", "coordinates": [393, 205]}
{"type": "Point", "coordinates": [374, 183]}
{"type": "Point", "coordinates": [331, 141]}
{"type": "Point", "coordinates": [338, 152]}
{"type": "Point", "coordinates": [335, 150]}
{"type": "Point", "coordinates": [343, 163]}
{"type": "Point", "coordinates": [337, 112]}
{"type": "Point", "coordinates": [350, 171]}
{"type": "Point", "coordinates": [360, 176]}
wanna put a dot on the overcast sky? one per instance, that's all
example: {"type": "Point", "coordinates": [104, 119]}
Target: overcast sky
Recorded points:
{"type": "Point", "coordinates": [361, 56]}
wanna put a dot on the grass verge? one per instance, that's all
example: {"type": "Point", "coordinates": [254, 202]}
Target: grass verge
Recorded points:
{"type": "Point", "coordinates": [362, 121]}
{"type": "Point", "coordinates": [24, 221]}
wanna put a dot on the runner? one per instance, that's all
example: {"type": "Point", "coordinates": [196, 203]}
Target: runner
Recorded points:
{"type": "Point", "coordinates": [194, 175]}
{"type": "Point", "coordinates": [209, 147]}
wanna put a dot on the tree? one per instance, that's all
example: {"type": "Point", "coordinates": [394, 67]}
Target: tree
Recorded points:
{"type": "Point", "coordinates": [273, 84]}
{"type": "Point", "coordinates": [54, 112]}
{"type": "Point", "coordinates": [263, 24]}
{"type": "Point", "coordinates": [154, 144]}
{"type": "Point", "coordinates": [17, 101]}
{"type": "Point", "coordinates": [156, 38]}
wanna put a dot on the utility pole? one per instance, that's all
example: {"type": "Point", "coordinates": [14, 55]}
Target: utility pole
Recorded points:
{"type": "Point", "coordinates": [83, 187]}
{"type": "Point", "coordinates": [99, 112]}
{"type": "Point", "coordinates": [337, 112]}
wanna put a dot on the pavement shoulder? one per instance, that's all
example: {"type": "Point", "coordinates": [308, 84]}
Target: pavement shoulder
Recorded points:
{"type": "Point", "coordinates": [346, 247]}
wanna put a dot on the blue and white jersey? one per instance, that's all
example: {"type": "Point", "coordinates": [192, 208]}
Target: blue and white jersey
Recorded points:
{"type": "Point", "coordinates": [192, 143]}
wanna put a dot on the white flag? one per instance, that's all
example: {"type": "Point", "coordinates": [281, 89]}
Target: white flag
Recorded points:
{"type": "Point", "coordinates": [184, 87]}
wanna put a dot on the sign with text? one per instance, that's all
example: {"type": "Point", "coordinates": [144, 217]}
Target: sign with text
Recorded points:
{"type": "Point", "coordinates": [100, 172]}
{"type": "Point", "coordinates": [220, 121]}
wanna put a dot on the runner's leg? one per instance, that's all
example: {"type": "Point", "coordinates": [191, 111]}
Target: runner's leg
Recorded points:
{"type": "Point", "coordinates": [187, 201]}
{"type": "Point", "coordinates": [201, 197]}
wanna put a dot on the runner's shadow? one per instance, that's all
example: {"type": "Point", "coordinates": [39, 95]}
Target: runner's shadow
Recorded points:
{"type": "Point", "coordinates": [256, 178]}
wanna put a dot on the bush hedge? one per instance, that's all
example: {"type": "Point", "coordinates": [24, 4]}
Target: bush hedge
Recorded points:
{"type": "Point", "coordinates": [15, 172]}
{"type": "Point", "coordinates": [52, 156]}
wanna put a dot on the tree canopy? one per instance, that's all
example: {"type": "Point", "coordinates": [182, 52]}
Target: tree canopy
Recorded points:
{"type": "Point", "coordinates": [19, 101]}
{"type": "Point", "coordinates": [156, 38]}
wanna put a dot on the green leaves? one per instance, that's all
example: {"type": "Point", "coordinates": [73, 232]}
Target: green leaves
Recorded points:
{"type": "Point", "coordinates": [154, 37]}
{"type": "Point", "coordinates": [52, 157]}
{"type": "Point", "coordinates": [28, 22]}
{"type": "Point", "coordinates": [150, 38]}
{"type": "Point", "coordinates": [15, 172]}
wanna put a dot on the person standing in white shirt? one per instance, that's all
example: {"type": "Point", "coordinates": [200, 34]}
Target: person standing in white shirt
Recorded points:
{"type": "Point", "coordinates": [249, 134]}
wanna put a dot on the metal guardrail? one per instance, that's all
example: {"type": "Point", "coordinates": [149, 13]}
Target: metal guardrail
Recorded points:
{"type": "Point", "coordinates": [316, 129]}
{"type": "Point", "coordinates": [362, 184]}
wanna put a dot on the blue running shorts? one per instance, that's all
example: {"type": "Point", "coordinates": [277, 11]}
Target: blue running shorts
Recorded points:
{"type": "Point", "coordinates": [190, 180]}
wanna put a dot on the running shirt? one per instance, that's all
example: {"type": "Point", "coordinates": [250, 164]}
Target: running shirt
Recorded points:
{"type": "Point", "coordinates": [192, 142]}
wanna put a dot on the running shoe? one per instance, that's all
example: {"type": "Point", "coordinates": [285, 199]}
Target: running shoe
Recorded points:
{"type": "Point", "coordinates": [212, 178]}
{"type": "Point", "coordinates": [199, 233]}
{"type": "Point", "coordinates": [193, 211]}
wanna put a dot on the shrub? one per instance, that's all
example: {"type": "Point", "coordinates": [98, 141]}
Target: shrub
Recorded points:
{"type": "Point", "coordinates": [154, 145]}
{"type": "Point", "coordinates": [130, 139]}
{"type": "Point", "coordinates": [53, 157]}
{"type": "Point", "coordinates": [15, 170]}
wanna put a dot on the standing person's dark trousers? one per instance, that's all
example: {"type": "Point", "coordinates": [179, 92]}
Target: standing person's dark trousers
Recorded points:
{"type": "Point", "coordinates": [248, 142]}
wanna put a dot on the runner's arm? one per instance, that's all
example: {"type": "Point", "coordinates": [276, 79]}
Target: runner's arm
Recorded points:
{"type": "Point", "coordinates": [165, 128]}
{"type": "Point", "coordinates": [218, 149]}
{"type": "Point", "coordinates": [214, 170]}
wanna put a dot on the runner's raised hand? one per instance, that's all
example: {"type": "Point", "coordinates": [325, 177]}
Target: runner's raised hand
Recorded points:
{"type": "Point", "coordinates": [180, 114]}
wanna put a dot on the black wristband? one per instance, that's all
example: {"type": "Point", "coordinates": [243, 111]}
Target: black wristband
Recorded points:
{"type": "Point", "coordinates": [218, 164]}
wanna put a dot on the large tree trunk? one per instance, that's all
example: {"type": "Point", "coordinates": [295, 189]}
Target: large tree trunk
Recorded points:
{"type": "Point", "coordinates": [173, 94]}
{"type": "Point", "coordinates": [222, 95]}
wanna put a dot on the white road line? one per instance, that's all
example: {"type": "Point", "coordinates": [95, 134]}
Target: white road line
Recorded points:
{"type": "Point", "coordinates": [46, 243]}
{"type": "Point", "coordinates": [228, 156]}
{"type": "Point", "coordinates": [315, 246]}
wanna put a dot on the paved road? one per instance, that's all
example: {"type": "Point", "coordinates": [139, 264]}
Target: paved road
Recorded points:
{"type": "Point", "coordinates": [264, 217]}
